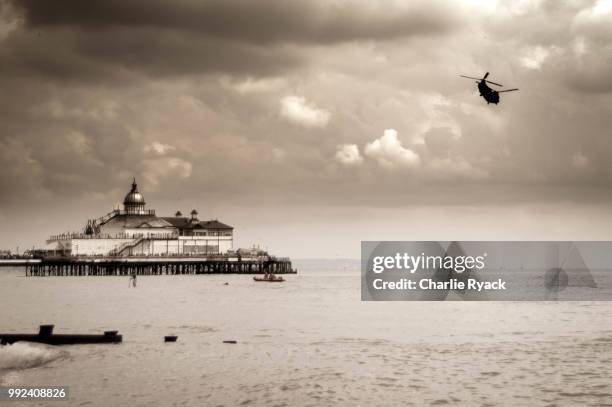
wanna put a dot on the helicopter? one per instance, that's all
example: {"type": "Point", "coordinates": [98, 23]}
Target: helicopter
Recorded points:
{"type": "Point", "coordinates": [490, 95]}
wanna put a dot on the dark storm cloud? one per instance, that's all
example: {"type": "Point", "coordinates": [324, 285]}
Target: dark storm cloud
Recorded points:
{"type": "Point", "coordinates": [117, 41]}
{"type": "Point", "coordinates": [262, 21]}
{"type": "Point", "coordinates": [124, 54]}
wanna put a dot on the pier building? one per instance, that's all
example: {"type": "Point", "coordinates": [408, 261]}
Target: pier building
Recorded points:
{"type": "Point", "coordinates": [137, 231]}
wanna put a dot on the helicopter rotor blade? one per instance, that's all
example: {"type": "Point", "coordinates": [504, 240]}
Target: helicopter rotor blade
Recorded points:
{"type": "Point", "coordinates": [507, 90]}
{"type": "Point", "coordinates": [481, 79]}
{"type": "Point", "coordinates": [470, 77]}
{"type": "Point", "coordinates": [485, 77]}
{"type": "Point", "coordinates": [494, 83]}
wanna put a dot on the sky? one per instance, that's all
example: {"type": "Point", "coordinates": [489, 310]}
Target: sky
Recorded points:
{"type": "Point", "coordinates": [309, 125]}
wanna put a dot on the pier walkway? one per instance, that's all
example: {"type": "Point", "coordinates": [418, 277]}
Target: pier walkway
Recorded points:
{"type": "Point", "coordinates": [125, 266]}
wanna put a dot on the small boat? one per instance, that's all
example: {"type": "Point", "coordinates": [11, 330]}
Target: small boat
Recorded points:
{"type": "Point", "coordinates": [269, 278]}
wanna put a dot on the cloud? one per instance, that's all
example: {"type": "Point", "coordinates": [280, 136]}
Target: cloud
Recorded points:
{"type": "Point", "coordinates": [297, 110]}
{"type": "Point", "coordinates": [21, 176]}
{"type": "Point", "coordinates": [389, 152]}
{"type": "Point", "coordinates": [264, 21]}
{"type": "Point", "coordinates": [8, 20]}
{"type": "Point", "coordinates": [114, 41]}
{"type": "Point", "coordinates": [251, 85]}
{"type": "Point", "coordinates": [57, 109]}
{"type": "Point", "coordinates": [579, 160]}
{"type": "Point", "coordinates": [80, 146]}
{"type": "Point", "coordinates": [449, 168]}
{"type": "Point", "coordinates": [348, 154]}
{"type": "Point", "coordinates": [127, 55]}
{"type": "Point", "coordinates": [79, 143]}
{"type": "Point", "coordinates": [594, 21]}
{"type": "Point", "coordinates": [158, 148]}
{"type": "Point", "coordinates": [278, 155]}
{"type": "Point", "coordinates": [158, 170]}
{"type": "Point", "coordinates": [535, 57]}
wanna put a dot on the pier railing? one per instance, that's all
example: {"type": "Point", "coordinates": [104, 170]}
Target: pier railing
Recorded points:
{"type": "Point", "coordinates": [78, 235]}
{"type": "Point", "coordinates": [116, 212]}
{"type": "Point", "coordinates": [225, 256]}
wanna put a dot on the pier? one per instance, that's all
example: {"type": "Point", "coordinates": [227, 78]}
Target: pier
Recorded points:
{"type": "Point", "coordinates": [149, 266]}
{"type": "Point", "coordinates": [136, 241]}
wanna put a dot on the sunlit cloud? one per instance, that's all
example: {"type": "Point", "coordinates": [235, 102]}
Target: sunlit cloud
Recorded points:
{"type": "Point", "coordinates": [297, 110]}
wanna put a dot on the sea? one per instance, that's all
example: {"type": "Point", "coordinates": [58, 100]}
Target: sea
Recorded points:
{"type": "Point", "coordinates": [309, 341]}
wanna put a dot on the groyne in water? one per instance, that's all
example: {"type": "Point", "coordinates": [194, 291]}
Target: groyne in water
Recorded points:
{"type": "Point", "coordinates": [46, 335]}
{"type": "Point", "coordinates": [125, 266]}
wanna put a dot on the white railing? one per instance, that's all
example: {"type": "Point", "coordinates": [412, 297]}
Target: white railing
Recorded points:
{"type": "Point", "coordinates": [153, 236]}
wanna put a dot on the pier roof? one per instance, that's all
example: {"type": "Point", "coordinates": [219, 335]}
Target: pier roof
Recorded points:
{"type": "Point", "coordinates": [177, 221]}
{"type": "Point", "coordinates": [186, 223]}
{"type": "Point", "coordinates": [136, 221]}
{"type": "Point", "coordinates": [215, 224]}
